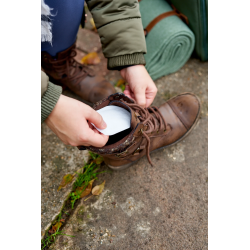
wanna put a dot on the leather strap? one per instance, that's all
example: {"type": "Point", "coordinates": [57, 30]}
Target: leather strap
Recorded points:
{"type": "Point", "coordinates": [174, 12]}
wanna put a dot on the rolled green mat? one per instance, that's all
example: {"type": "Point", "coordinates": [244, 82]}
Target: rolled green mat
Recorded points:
{"type": "Point", "coordinates": [169, 44]}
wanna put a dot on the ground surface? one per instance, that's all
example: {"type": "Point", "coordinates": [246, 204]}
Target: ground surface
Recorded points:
{"type": "Point", "coordinates": [142, 207]}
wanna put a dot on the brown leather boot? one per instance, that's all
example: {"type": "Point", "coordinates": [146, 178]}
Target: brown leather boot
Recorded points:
{"type": "Point", "coordinates": [151, 128]}
{"type": "Point", "coordinates": [65, 71]}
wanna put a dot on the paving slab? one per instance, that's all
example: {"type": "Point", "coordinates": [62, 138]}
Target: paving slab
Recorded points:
{"type": "Point", "coordinates": [88, 41]}
{"type": "Point", "coordinates": [57, 160]}
{"type": "Point", "coordinates": [144, 207]}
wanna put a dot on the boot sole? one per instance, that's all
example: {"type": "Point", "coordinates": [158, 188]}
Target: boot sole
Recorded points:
{"type": "Point", "coordinates": [170, 145]}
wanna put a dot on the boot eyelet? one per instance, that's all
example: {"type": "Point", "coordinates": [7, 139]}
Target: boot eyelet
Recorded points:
{"type": "Point", "coordinates": [136, 151]}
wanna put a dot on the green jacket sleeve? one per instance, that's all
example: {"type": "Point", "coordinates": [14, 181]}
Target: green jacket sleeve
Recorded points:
{"type": "Point", "coordinates": [50, 94]}
{"type": "Point", "coordinates": [119, 25]}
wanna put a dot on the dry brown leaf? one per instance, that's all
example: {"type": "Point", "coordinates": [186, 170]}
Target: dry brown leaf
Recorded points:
{"type": "Point", "coordinates": [98, 189]}
{"type": "Point", "coordinates": [87, 189]}
{"type": "Point", "coordinates": [56, 227]}
{"type": "Point", "coordinates": [93, 23]}
{"type": "Point", "coordinates": [65, 181]}
{"type": "Point", "coordinates": [120, 82]}
{"type": "Point", "coordinates": [98, 160]}
{"type": "Point", "coordinates": [91, 58]}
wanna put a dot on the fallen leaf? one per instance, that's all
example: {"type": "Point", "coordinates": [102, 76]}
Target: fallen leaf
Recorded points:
{"type": "Point", "coordinates": [62, 220]}
{"type": "Point", "coordinates": [120, 82]}
{"type": "Point", "coordinates": [91, 58]}
{"type": "Point", "coordinates": [65, 181]}
{"type": "Point", "coordinates": [98, 189]}
{"type": "Point", "coordinates": [86, 191]}
{"type": "Point", "coordinates": [56, 226]}
{"type": "Point", "coordinates": [98, 160]}
{"type": "Point", "coordinates": [93, 24]}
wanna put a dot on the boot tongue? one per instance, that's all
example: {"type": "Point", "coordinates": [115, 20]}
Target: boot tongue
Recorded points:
{"type": "Point", "coordinates": [134, 120]}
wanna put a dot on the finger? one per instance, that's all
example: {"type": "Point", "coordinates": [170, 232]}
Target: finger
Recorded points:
{"type": "Point", "coordinates": [140, 96]}
{"type": "Point", "coordinates": [96, 139]}
{"type": "Point", "coordinates": [127, 91]}
{"type": "Point", "coordinates": [90, 125]}
{"type": "Point", "coordinates": [149, 99]}
{"type": "Point", "coordinates": [95, 118]}
{"type": "Point", "coordinates": [96, 131]}
{"type": "Point", "coordinates": [150, 94]}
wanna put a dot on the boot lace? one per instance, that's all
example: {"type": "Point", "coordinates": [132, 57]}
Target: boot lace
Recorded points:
{"type": "Point", "coordinates": [69, 68]}
{"type": "Point", "coordinates": [152, 119]}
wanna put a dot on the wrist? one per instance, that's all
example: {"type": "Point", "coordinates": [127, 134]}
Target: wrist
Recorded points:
{"type": "Point", "coordinates": [49, 100]}
{"type": "Point", "coordinates": [117, 62]}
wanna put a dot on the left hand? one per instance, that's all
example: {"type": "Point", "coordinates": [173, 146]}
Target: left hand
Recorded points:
{"type": "Point", "coordinates": [140, 86]}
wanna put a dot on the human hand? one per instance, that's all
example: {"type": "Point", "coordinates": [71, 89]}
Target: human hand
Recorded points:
{"type": "Point", "coordinates": [140, 85]}
{"type": "Point", "coordinates": [68, 121]}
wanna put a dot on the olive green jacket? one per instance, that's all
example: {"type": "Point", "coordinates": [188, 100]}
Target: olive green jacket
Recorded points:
{"type": "Point", "coordinates": [119, 25]}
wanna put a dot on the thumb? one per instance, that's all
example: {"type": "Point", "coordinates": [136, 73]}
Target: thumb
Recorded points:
{"type": "Point", "coordinates": [95, 118]}
{"type": "Point", "coordinates": [140, 96]}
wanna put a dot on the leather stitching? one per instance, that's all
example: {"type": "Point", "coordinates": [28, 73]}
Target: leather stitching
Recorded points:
{"type": "Point", "coordinates": [172, 107]}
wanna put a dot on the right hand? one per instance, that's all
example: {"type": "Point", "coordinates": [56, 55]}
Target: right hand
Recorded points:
{"type": "Point", "coordinates": [68, 121]}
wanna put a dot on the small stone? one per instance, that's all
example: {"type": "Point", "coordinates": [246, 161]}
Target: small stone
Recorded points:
{"type": "Point", "coordinates": [113, 203]}
{"type": "Point", "coordinates": [101, 234]}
